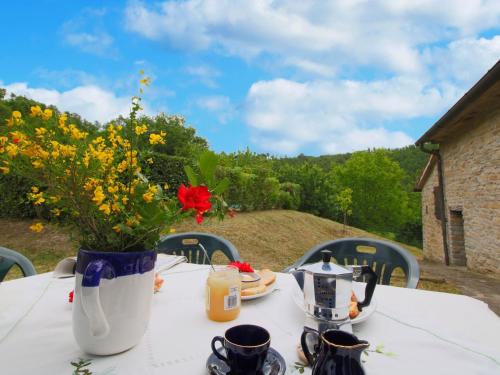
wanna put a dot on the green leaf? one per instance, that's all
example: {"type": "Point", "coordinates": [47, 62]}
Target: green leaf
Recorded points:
{"type": "Point", "coordinates": [222, 186]}
{"type": "Point", "coordinates": [125, 229]}
{"type": "Point", "coordinates": [193, 179]}
{"type": "Point", "coordinates": [208, 163]}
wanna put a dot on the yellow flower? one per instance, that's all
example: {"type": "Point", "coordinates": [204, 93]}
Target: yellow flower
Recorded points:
{"type": "Point", "coordinates": [155, 139]}
{"type": "Point", "coordinates": [12, 150]}
{"type": "Point", "coordinates": [113, 189]}
{"type": "Point", "coordinates": [3, 140]}
{"type": "Point", "coordinates": [35, 111]}
{"type": "Point", "coordinates": [124, 200]}
{"type": "Point", "coordinates": [56, 211]}
{"type": "Point", "coordinates": [166, 187]}
{"type": "Point", "coordinates": [40, 132]}
{"type": "Point", "coordinates": [141, 129]}
{"type": "Point", "coordinates": [150, 161]}
{"type": "Point", "coordinates": [37, 164]}
{"type": "Point", "coordinates": [54, 199]}
{"type": "Point", "coordinates": [34, 189]}
{"type": "Point", "coordinates": [64, 128]}
{"type": "Point", "coordinates": [105, 208]}
{"type": "Point", "coordinates": [9, 122]}
{"type": "Point", "coordinates": [37, 228]}
{"type": "Point", "coordinates": [37, 199]}
{"type": "Point", "coordinates": [62, 119]}
{"type": "Point", "coordinates": [16, 115]}
{"type": "Point", "coordinates": [122, 166]}
{"type": "Point", "coordinates": [148, 197]}
{"type": "Point", "coordinates": [146, 81]}
{"type": "Point", "coordinates": [98, 195]}
{"type": "Point", "coordinates": [172, 230]}
{"type": "Point", "coordinates": [5, 170]}
{"type": "Point", "coordinates": [77, 134]}
{"type": "Point", "coordinates": [117, 229]}
{"type": "Point", "coordinates": [47, 113]}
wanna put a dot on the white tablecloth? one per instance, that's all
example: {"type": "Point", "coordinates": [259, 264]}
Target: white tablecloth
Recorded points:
{"type": "Point", "coordinates": [427, 332]}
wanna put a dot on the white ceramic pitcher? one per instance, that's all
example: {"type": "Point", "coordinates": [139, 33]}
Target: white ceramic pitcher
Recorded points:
{"type": "Point", "coordinates": [112, 299]}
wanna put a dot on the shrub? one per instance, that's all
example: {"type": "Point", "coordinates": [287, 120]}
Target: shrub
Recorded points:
{"type": "Point", "coordinates": [14, 202]}
{"type": "Point", "coordinates": [250, 190]}
{"type": "Point", "coordinates": [289, 196]}
{"type": "Point", "coordinates": [166, 169]}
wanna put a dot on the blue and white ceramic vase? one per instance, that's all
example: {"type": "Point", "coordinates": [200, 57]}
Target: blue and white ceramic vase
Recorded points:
{"type": "Point", "coordinates": [112, 299]}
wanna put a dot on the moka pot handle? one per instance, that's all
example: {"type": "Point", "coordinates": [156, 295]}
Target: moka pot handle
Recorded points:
{"type": "Point", "coordinates": [371, 283]}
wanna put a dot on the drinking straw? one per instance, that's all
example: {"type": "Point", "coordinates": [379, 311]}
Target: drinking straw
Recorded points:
{"type": "Point", "coordinates": [206, 255]}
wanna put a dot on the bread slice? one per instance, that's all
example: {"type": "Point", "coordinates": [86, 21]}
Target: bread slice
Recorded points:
{"type": "Point", "coordinates": [261, 288]}
{"type": "Point", "coordinates": [249, 280]}
{"type": "Point", "coordinates": [267, 276]}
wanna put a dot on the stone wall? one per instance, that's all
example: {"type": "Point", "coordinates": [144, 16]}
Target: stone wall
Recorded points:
{"type": "Point", "coordinates": [431, 226]}
{"type": "Point", "coordinates": [472, 185]}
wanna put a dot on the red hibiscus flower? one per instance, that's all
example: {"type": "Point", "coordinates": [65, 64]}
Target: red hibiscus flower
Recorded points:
{"type": "Point", "coordinates": [70, 297]}
{"type": "Point", "coordinates": [231, 213]}
{"type": "Point", "coordinates": [195, 198]}
{"type": "Point", "coordinates": [242, 266]}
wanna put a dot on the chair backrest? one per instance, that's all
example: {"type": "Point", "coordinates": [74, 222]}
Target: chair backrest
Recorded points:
{"type": "Point", "coordinates": [382, 256]}
{"type": "Point", "coordinates": [8, 258]}
{"type": "Point", "coordinates": [187, 244]}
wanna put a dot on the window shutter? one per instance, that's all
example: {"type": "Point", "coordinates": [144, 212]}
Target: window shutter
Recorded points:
{"type": "Point", "coordinates": [438, 203]}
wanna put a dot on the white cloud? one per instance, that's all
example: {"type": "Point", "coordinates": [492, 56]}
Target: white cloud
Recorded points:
{"type": "Point", "coordinates": [464, 60]}
{"type": "Point", "coordinates": [206, 74]}
{"type": "Point", "coordinates": [219, 105]}
{"type": "Point", "coordinates": [87, 32]}
{"type": "Point", "coordinates": [337, 115]}
{"type": "Point", "coordinates": [95, 43]}
{"type": "Point", "coordinates": [358, 66]}
{"type": "Point", "coordinates": [315, 34]}
{"type": "Point", "coordinates": [91, 102]}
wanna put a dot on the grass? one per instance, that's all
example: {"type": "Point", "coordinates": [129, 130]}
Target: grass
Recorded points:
{"type": "Point", "coordinates": [267, 239]}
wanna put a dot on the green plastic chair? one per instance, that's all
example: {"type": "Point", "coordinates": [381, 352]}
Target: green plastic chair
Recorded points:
{"type": "Point", "coordinates": [9, 258]}
{"type": "Point", "coordinates": [187, 244]}
{"type": "Point", "coordinates": [382, 256]}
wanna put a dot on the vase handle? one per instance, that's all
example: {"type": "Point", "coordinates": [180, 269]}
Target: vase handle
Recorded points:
{"type": "Point", "coordinates": [91, 302]}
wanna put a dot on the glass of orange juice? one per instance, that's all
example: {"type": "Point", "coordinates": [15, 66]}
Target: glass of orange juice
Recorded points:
{"type": "Point", "coordinates": [222, 294]}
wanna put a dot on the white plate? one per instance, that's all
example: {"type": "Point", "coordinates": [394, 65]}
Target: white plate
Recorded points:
{"type": "Point", "coordinates": [298, 298]}
{"type": "Point", "coordinates": [269, 290]}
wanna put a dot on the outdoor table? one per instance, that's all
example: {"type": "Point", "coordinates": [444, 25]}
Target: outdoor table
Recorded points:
{"type": "Point", "coordinates": [427, 332]}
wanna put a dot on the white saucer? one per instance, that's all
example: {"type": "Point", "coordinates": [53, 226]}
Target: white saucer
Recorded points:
{"type": "Point", "coordinates": [269, 290]}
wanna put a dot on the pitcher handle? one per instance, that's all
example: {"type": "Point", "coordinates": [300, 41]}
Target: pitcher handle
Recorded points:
{"type": "Point", "coordinates": [91, 302]}
{"type": "Point", "coordinates": [305, 348]}
{"type": "Point", "coordinates": [370, 286]}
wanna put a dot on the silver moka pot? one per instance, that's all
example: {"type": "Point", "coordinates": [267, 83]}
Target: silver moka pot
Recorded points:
{"type": "Point", "coordinates": [327, 288]}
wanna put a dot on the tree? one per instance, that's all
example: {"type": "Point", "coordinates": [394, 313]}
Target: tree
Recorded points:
{"type": "Point", "coordinates": [344, 200]}
{"type": "Point", "coordinates": [181, 139]}
{"type": "Point", "coordinates": [318, 188]}
{"type": "Point", "coordinates": [380, 202]}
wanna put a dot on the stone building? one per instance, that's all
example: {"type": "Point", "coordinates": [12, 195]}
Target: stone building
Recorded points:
{"type": "Point", "coordinates": [460, 184]}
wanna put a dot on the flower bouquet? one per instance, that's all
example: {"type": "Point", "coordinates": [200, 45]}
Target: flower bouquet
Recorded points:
{"type": "Point", "coordinates": [92, 180]}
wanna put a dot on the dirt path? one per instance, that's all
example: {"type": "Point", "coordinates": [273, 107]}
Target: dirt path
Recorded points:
{"type": "Point", "coordinates": [483, 287]}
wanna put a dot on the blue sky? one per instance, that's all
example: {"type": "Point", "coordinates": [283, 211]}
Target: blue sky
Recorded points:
{"type": "Point", "coordinates": [282, 77]}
